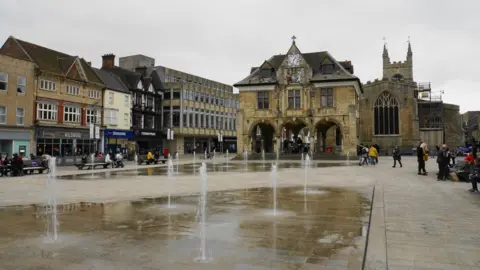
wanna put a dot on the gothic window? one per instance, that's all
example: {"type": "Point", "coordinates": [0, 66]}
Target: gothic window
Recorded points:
{"type": "Point", "coordinates": [433, 122]}
{"type": "Point", "coordinates": [262, 100]}
{"type": "Point", "coordinates": [386, 115]}
{"type": "Point", "coordinates": [397, 77]}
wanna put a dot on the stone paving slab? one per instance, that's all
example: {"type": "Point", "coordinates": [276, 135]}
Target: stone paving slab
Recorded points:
{"type": "Point", "coordinates": [417, 222]}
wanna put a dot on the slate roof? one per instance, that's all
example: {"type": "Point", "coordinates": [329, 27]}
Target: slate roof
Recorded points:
{"type": "Point", "coordinates": [341, 70]}
{"type": "Point", "coordinates": [111, 81]}
{"type": "Point", "coordinates": [129, 78]}
{"type": "Point", "coordinates": [48, 60]}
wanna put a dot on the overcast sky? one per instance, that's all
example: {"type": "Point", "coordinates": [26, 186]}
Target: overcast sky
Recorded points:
{"type": "Point", "coordinates": [222, 39]}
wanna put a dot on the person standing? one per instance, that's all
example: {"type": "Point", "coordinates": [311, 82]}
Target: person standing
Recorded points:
{"type": "Point", "coordinates": [442, 161]}
{"type": "Point", "coordinates": [397, 157]}
{"type": "Point", "coordinates": [475, 175]}
{"type": "Point", "coordinates": [421, 159]}
{"type": "Point", "coordinates": [373, 155]}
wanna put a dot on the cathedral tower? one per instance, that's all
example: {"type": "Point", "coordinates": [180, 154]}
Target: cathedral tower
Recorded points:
{"type": "Point", "coordinates": [398, 70]}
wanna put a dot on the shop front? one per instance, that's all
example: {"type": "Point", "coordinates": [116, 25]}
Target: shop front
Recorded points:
{"type": "Point", "coordinates": [148, 140]}
{"type": "Point", "coordinates": [65, 143]}
{"type": "Point", "coordinates": [118, 141]}
{"type": "Point", "coordinates": [15, 142]}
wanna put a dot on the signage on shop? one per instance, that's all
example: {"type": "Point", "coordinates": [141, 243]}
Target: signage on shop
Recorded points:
{"type": "Point", "coordinates": [144, 133]}
{"type": "Point", "coordinates": [52, 134]}
{"type": "Point", "coordinates": [124, 134]}
{"type": "Point", "coordinates": [76, 135]}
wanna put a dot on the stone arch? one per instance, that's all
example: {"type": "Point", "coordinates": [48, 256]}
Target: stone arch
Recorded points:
{"type": "Point", "coordinates": [329, 135]}
{"type": "Point", "coordinates": [262, 137]}
{"type": "Point", "coordinates": [386, 114]}
{"type": "Point", "coordinates": [293, 135]}
{"type": "Point", "coordinates": [254, 124]}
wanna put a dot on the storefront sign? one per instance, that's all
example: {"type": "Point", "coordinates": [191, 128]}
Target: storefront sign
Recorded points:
{"type": "Point", "coordinates": [76, 135]}
{"type": "Point", "coordinates": [14, 135]}
{"type": "Point", "coordinates": [62, 134]}
{"type": "Point", "coordinates": [112, 133]}
{"type": "Point", "coordinates": [144, 133]}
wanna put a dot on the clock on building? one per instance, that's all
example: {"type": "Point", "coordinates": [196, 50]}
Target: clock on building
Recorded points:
{"type": "Point", "coordinates": [293, 60]}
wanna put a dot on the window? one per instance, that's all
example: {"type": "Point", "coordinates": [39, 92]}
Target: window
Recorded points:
{"type": "Point", "coordinates": [73, 90]}
{"type": "Point", "coordinates": [110, 117]}
{"type": "Point", "coordinates": [46, 111]}
{"type": "Point", "coordinates": [126, 101]}
{"type": "Point", "coordinates": [71, 114]}
{"type": "Point", "coordinates": [262, 100]}
{"type": "Point", "coordinates": [294, 99]}
{"type": "Point", "coordinates": [94, 94]}
{"type": "Point", "coordinates": [3, 81]}
{"type": "Point", "coordinates": [3, 115]}
{"type": "Point", "coordinates": [93, 116]}
{"type": "Point", "coordinates": [326, 97]}
{"type": "Point", "coordinates": [20, 116]}
{"type": "Point", "coordinates": [126, 119]}
{"type": "Point", "coordinates": [386, 115]}
{"type": "Point", "coordinates": [47, 85]}
{"type": "Point", "coordinates": [110, 98]}
{"type": "Point", "coordinates": [21, 85]}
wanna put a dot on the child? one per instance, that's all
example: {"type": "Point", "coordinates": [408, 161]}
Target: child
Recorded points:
{"type": "Point", "coordinates": [475, 175]}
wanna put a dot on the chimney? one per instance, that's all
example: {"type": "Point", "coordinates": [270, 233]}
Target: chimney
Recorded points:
{"type": "Point", "coordinates": [141, 70]}
{"type": "Point", "coordinates": [108, 60]}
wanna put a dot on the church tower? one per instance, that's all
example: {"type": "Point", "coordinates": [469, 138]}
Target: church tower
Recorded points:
{"type": "Point", "coordinates": [398, 70]}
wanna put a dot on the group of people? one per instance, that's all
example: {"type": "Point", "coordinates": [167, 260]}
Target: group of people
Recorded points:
{"type": "Point", "coordinates": [14, 165]}
{"type": "Point", "coordinates": [367, 155]}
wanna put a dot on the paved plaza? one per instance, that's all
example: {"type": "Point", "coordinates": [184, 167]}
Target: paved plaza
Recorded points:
{"type": "Point", "coordinates": [416, 222]}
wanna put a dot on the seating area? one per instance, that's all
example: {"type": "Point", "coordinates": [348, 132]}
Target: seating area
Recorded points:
{"type": "Point", "coordinates": [29, 167]}
{"type": "Point", "coordinates": [89, 165]}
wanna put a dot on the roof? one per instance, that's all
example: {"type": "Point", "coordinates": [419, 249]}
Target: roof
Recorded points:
{"type": "Point", "coordinates": [111, 81]}
{"type": "Point", "coordinates": [129, 78]}
{"type": "Point", "coordinates": [51, 61]}
{"type": "Point", "coordinates": [341, 70]}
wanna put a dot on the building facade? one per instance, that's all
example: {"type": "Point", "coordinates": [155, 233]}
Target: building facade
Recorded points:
{"type": "Point", "coordinates": [147, 104]}
{"type": "Point", "coordinates": [198, 110]}
{"type": "Point", "coordinates": [397, 111]}
{"type": "Point", "coordinates": [17, 82]}
{"type": "Point", "coordinates": [68, 98]}
{"type": "Point", "coordinates": [117, 114]}
{"type": "Point", "coordinates": [307, 96]}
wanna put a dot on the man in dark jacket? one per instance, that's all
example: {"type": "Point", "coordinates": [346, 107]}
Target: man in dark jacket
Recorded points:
{"type": "Point", "coordinates": [442, 161]}
{"type": "Point", "coordinates": [475, 175]}
{"type": "Point", "coordinates": [397, 156]}
{"type": "Point", "coordinates": [421, 160]}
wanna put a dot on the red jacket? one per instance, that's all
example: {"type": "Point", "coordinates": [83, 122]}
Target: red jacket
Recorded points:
{"type": "Point", "coordinates": [469, 159]}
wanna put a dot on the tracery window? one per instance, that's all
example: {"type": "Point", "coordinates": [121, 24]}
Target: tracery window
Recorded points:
{"type": "Point", "coordinates": [433, 121]}
{"type": "Point", "coordinates": [386, 115]}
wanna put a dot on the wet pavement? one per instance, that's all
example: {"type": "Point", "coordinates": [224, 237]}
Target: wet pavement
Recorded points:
{"type": "Point", "coordinates": [324, 228]}
{"type": "Point", "coordinates": [189, 169]}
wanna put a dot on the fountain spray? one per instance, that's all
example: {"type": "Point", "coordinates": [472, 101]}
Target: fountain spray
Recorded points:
{"type": "Point", "coordinates": [51, 210]}
{"type": "Point", "coordinates": [263, 158]}
{"type": "Point", "coordinates": [227, 160]}
{"type": "Point", "coordinates": [169, 179]}
{"type": "Point", "coordinates": [245, 158]}
{"type": "Point", "coordinates": [203, 213]}
{"type": "Point", "coordinates": [177, 161]}
{"type": "Point", "coordinates": [273, 176]}
{"type": "Point", "coordinates": [194, 163]}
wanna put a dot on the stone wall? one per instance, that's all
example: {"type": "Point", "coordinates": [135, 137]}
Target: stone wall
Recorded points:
{"type": "Point", "coordinates": [453, 125]}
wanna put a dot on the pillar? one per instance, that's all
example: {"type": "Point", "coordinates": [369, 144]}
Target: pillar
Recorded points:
{"type": "Point", "coordinates": [60, 112]}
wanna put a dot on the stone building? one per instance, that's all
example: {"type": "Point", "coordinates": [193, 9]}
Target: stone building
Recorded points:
{"type": "Point", "coordinates": [68, 99]}
{"type": "Point", "coordinates": [396, 110]}
{"type": "Point", "coordinates": [16, 106]}
{"type": "Point", "coordinates": [310, 96]}
{"type": "Point", "coordinates": [198, 110]}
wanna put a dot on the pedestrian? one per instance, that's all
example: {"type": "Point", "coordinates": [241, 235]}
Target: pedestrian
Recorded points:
{"type": "Point", "coordinates": [373, 155]}
{"type": "Point", "coordinates": [475, 175]}
{"type": "Point", "coordinates": [442, 161]}
{"type": "Point", "coordinates": [397, 157]}
{"type": "Point", "coordinates": [421, 159]}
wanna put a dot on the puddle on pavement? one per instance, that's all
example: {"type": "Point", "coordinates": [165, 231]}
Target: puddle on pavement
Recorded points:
{"type": "Point", "coordinates": [325, 226]}
{"type": "Point", "coordinates": [188, 169]}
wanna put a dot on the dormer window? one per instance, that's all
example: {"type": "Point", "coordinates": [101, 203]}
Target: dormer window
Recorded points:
{"type": "Point", "coordinates": [327, 68]}
{"type": "Point", "coordinates": [140, 85]}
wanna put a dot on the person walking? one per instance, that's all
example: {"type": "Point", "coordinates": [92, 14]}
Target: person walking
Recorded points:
{"type": "Point", "coordinates": [373, 155]}
{"type": "Point", "coordinates": [397, 157]}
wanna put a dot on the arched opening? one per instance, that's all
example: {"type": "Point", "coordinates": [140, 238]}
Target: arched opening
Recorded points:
{"type": "Point", "coordinates": [262, 138]}
{"type": "Point", "coordinates": [397, 77]}
{"type": "Point", "coordinates": [386, 115]}
{"type": "Point", "coordinates": [295, 137]}
{"type": "Point", "coordinates": [328, 137]}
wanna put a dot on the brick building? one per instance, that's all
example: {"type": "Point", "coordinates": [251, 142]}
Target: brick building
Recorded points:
{"type": "Point", "coordinates": [68, 97]}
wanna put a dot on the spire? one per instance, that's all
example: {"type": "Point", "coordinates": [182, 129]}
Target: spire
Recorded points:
{"type": "Point", "coordinates": [385, 50]}
{"type": "Point", "coordinates": [293, 39]}
{"type": "Point", "coordinates": [409, 47]}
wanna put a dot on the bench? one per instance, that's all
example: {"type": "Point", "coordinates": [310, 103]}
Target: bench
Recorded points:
{"type": "Point", "coordinates": [140, 161]}
{"type": "Point", "coordinates": [30, 166]}
{"type": "Point", "coordinates": [97, 162]}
